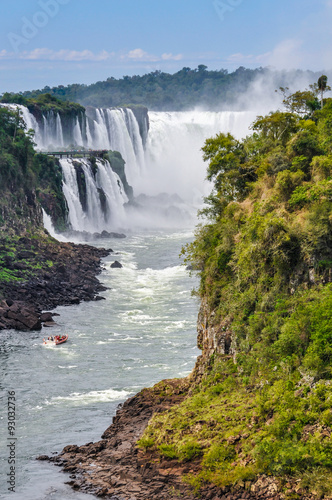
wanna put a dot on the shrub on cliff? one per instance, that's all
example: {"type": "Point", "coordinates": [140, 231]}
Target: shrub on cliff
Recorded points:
{"type": "Point", "coordinates": [43, 103]}
{"type": "Point", "coordinates": [24, 174]}
{"type": "Point", "coordinates": [264, 405]}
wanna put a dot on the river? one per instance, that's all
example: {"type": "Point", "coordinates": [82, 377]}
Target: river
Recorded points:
{"type": "Point", "coordinates": [144, 331]}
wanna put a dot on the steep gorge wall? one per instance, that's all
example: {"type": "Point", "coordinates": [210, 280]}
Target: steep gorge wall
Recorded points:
{"type": "Point", "coordinates": [20, 211]}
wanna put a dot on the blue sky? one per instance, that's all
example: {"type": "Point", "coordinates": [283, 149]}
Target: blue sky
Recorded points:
{"type": "Point", "coordinates": [54, 42]}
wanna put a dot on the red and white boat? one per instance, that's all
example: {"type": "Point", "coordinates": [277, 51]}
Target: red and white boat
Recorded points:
{"type": "Point", "coordinates": [56, 340]}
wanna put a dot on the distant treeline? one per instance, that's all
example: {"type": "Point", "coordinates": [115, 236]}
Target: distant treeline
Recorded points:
{"type": "Point", "coordinates": [165, 92]}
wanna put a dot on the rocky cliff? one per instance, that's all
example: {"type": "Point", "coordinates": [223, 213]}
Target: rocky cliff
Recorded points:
{"type": "Point", "coordinates": [255, 417]}
{"type": "Point", "coordinates": [36, 271]}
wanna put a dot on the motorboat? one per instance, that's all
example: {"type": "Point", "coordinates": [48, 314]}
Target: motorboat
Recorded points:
{"type": "Point", "coordinates": [56, 340]}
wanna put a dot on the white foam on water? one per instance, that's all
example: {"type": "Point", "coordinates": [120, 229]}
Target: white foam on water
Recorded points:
{"type": "Point", "coordinates": [91, 397]}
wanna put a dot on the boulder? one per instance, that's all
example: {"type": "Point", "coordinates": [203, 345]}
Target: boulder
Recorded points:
{"type": "Point", "coordinates": [22, 317]}
{"type": "Point", "coordinates": [116, 264]}
{"type": "Point", "coordinates": [46, 317]}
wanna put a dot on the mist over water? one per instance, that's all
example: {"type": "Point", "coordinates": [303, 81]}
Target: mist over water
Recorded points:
{"type": "Point", "coordinates": [163, 163]}
{"type": "Point", "coordinates": [167, 172]}
{"type": "Point", "coordinates": [173, 151]}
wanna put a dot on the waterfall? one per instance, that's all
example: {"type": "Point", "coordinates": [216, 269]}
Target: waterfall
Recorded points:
{"type": "Point", "coordinates": [112, 129]}
{"type": "Point", "coordinates": [77, 134]}
{"type": "Point", "coordinates": [118, 130]}
{"type": "Point", "coordinates": [103, 206]}
{"type": "Point", "coordinates": [164, 158]}
{"type": "Point", "coordinates": [50, 228]}
{"type": "Point", "coordinates": [173, 155]}
{"type": "Point", "coordinates": [28, 118]}
{"type": "Point", "coordinates": [58, 131]}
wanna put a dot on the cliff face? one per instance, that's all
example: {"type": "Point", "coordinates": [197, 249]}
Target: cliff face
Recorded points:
{"type": "Point", "coordinates": [20, 212]}
{"type": "Point", "coordinates": [118, 166]}
{"type": "Point", "coordinates": [213, 339]}
{"type": "Point", "coordinates": [264, 327]}
{"type": "Point", "coordinates": [215, 336]}
{"type": "Point", "coordinates": [33, 265]}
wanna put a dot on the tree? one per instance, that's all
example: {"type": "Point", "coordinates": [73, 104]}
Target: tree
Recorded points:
{"type": "Point", "coordinates": [202, 67]}
{"type": "Point", "coordinates": [300, 102]}
{"type": "Point", "coordinates": [320, 87]}
{"type": "Point", "coordinates": [323, 87]}
{"type": "Point", "coordinates": [276, 126]}
{"type": "Point", "coordinates": [227, 166]}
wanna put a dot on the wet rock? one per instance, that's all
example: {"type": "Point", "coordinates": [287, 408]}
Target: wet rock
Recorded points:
{"type": "Point", "coordinates": [19, 315]}
{"type": "Point", "coordinates": [46, 317]}
{"type": "Point", "coordinates": [114, 467]}
{"type": "Point", "coordinates": [69, 277]}
{"type": "Point", "coordinates": [105, 234]}
{"type": "Point", "coordinates": [116, 264]}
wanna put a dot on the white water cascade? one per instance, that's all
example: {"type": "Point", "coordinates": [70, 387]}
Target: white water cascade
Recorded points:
{"type": "Point", "coordinates": [173, 153]}
{"type": "Point", "coordinates": [97, 215]}
{"type": "Point", "coordinates": [165, 157]}
{"type": "Point", "coordinates": [118, 130]}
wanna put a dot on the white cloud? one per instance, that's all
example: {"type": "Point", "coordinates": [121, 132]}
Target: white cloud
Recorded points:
{"type": "Point", "coordinates": [309, 46]}
{"type": "Point", "coordinates": [172, 57]}
{"type": "Point", "coordinates": [140, 55]}
{"type": "Point", "coordinates": [64, 55]}
{"type": "Point", "coordinates": [249, 59]}
{"type": "Point", "coordinates": [44, 54]}
{"type": "Point", "coordinates": [4, 54]}
{"type": "Point", "coordinates": [288, 54]}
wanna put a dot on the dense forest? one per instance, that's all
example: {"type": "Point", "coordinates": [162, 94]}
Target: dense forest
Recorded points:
{"type": "Point", "coordinates": [171, 92]}
{"type": "Point", "coordinates": [264, 256]}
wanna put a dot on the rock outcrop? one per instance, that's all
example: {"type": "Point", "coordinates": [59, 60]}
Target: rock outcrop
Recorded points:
{"type": "Point", "coordinates": [63, 274]}
{"type": "Point", "coordinates": [116, 469]}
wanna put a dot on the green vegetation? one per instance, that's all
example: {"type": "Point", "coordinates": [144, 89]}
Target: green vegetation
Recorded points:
{"type": "Point", "coordinates": [264, 255]}
{"type": "Point", "coordinates": [20, 259]}
{"type": "Point", "coordinates": [157, 90]}
{"type": "Point", "coordinates": [42, 103]}
{"type": "Point", "coordinates": [26, 177]}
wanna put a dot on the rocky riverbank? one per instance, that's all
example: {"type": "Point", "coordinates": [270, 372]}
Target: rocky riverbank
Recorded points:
{"type": "Point", "coordinates": [116, 468]}
{"type": "Point", "coordinates": [42, 273]}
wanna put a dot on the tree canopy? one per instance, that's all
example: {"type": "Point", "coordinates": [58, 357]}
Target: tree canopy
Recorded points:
{"type": "Point", "coordinates": [157, 90]}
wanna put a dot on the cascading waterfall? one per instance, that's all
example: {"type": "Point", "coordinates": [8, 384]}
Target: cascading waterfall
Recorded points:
{"type": "Point", "coordinates": [29, 120]}
{"type": "Point", "coordinates": [105, 196]}
{"type": "Point", "coordinates": [166, 158]}
{"type": "Point", "coordinates": [58, 131]}
{"type": "Point", "coordinates": [77, 134]}
{"type": "Point", "coordinates": [173, 153]}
